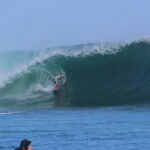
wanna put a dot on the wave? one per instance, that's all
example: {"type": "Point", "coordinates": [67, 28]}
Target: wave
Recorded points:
{"type": "Point", "coordinates": [96, 75]}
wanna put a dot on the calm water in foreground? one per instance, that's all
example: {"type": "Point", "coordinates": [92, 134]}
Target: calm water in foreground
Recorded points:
{"type": "Point", "coordinates": [107, 128]}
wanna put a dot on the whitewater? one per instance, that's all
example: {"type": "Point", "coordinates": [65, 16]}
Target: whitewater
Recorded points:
{"type": "Point", "coordinates": [96, 75]}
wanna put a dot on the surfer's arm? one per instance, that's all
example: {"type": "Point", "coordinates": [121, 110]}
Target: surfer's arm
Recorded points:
{"type": "Point", "coordinates": [60, 76]}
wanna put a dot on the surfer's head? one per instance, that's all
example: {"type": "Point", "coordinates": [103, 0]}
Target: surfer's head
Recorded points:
{"type": "Point", "coordinates": [24, 144]}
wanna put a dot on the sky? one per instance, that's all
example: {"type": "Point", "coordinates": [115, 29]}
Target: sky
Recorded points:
{"type": "Point", "coordinates": [39, 24]}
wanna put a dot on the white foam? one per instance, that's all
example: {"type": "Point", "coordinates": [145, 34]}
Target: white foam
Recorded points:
{"type": "Point", "coordinates": [42, 88]}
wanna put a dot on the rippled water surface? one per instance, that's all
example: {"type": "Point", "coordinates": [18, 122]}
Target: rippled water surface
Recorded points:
{"type": "Point", "coordinates": [115, 128]}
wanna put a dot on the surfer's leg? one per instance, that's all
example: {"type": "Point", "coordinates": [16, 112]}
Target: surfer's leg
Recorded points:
{"type": "Point", "coordinates": [56, 92]}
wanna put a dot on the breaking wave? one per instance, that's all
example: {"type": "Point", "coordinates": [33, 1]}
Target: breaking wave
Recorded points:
{"type": "Point", "coordinates": [96, 75]}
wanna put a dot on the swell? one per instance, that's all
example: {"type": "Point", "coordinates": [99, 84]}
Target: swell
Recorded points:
{"type": "Point", "coordinates": [95, 77]}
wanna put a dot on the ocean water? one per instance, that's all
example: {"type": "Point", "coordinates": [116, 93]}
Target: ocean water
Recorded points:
{"type": "Point", "coordinates": [103, 101]}
{"type": "Point", "coordinates": [115, 128]}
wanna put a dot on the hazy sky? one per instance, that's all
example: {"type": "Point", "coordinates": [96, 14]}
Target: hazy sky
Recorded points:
{"type": "Point", "coordinates": [36, 24]}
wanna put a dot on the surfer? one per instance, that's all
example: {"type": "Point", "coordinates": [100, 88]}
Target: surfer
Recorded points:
{"type": "Point", "coordinates": [56, 89]}
{"type": "Point", "coordinates": [56, 83]}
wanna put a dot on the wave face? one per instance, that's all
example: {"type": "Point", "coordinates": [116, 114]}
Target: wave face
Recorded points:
{"type": "Point", "coordinates": [96, 75]}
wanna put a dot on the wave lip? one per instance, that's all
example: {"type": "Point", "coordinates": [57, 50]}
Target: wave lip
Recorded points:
{"type": "Point", "coordinates": [97, 75]}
